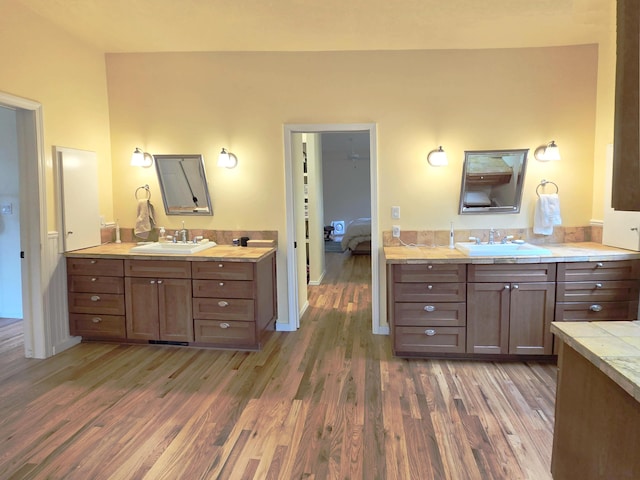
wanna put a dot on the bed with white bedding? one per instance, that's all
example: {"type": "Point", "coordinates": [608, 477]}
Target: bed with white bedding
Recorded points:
{"type": "Point", "coordinates": [357, 237]}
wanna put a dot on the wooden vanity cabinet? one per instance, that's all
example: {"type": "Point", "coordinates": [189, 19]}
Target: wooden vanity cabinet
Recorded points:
{"type": "Point", "coordinates": [510, 309]}
{"type": "Point", "coordinates": [234, 303]}
{"type": "Point", "coordinates": [598, 291]}
{"type": "Point", "coordinates": [158, 300]}
{"type": "Point", "coordinates": [427, 310]}
{"type": "Point", "coordinates": [96, 298]}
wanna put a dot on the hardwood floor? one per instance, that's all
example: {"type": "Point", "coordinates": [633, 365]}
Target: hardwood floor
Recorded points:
{"type": "Point", "coordinates": [327, 401]}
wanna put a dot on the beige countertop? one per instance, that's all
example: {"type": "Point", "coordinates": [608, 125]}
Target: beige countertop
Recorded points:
{"type": "Point", "coordinates": [613, 347]}
{"type": "Point", "coordinates": [564, 252]}
{"type": "Point", "coordinates": [227, 253]}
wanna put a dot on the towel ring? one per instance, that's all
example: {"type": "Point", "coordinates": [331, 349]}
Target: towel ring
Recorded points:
{"type": "Point", "coordinates": [145, 188]}
{"type": "Point", "coordinates": [543, 183]}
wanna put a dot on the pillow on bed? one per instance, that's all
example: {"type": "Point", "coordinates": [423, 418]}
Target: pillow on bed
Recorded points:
{"type": "Point", "coordinates": [477, 199]}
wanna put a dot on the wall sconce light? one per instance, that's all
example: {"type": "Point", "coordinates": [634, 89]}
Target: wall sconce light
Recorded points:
{"type": "Point", "coordinates": [227, 159]}
{"type": "Point", "coordinates": [437, 158]}
{"type": "Point", "coordinates": [141, 159]}
{"type": "Point", "coordinates": [547, 153]}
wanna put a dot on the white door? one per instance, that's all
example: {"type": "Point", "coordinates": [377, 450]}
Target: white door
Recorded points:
{"type": "Point", "coordinates": [77, 172]}
{"type": "Point", "coordinates": [621, 229]}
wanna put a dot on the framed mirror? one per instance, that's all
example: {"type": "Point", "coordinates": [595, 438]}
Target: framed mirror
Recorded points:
{"type": "Point", "coordinates": [492, 181]}
{"type": "Point", "coordinates": [183, 184]}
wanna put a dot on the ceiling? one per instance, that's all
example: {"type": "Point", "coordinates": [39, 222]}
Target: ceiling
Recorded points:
{"type": "Point", "coordinates": [326, 25]}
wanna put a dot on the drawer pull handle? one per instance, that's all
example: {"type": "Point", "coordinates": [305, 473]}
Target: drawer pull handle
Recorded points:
{"type": "Point", "coordinates": [94, 279]}
{"type": "Point", "coordinates": [222, 303]}
{"type": "Point", "coordinates": [96, 319]}
{"type": "Point", "coordinates": [595, 308]}
{"type": "Point", "coordinates": [430, 287]}
{"type": "Point", "coordinates": [221, 284]}
{"type": "Point", "coordinates": [599, 265]}
{"type": "Point", "coordinates": [224, 325]}
{"type": "Point", "coordinates": [152, 282]}
{"type": "Point", "coordinates": [159, 282]}
{"type": "Point", "coordinates": [93, 262]}
{"type": "Point", "coordinates": [430, 332]}
{"type": "Point", "coordinates": [598, 285]}
{"type": "Point", "coordinates": [429, 308]}
{"type": "Point", "coordinates": [430, 267]}
{"type": "Point", "coordinates": [220, 265]}
{"type": "Point", "coordinates": [507, 287]}
{"type": "Point", "coordinates": [95, 298]}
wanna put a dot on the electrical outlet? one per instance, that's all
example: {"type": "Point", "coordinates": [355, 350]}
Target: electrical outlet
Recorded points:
{"type": "Point", "coordinates": [395, 212]}
{"type": "Point", "coordinates": [395, 231]}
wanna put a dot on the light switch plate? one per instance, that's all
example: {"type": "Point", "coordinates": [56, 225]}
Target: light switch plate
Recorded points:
{"type": "Point", "coordinates": [395, 212]}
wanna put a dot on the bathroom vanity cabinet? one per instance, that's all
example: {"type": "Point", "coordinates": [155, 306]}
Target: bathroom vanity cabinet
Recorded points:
{"type": "Point", "coordinates": [510, 309]}
{"type": "Point", "coordinates": [201, 302]}
{"type": "Point", "coordinates": [455, 306]}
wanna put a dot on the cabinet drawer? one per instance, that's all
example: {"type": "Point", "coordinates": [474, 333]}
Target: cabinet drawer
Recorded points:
{"type": "Point", "coordinates": [98, 303]}
{"type": "Point", "coordinates": [223, 309]}
{"type": "Point", "coordinates": [95, 266]}
{"type": "Point", "coordinates": [429, 339]}
{"type": "Point", "coordinates": [223, 270]}
{"type": "Point", "coordinates": [222, 288]}
{"type": "Point", "coordinates": [430, 292]}
{"type": "Point", "coordinates": [97, 326]}
{"type": "Point", "coordinates": [225, 332]}
{"type": "Point", "coordinates": [96, 284]}
{"type": "Point", "coordinates": [430, 314]}
{"type": "Point", "coordinates": [598, 291]}
{"type": "Point", "coordinates": [432, 272]}
{"type": "Point", "coordinates": [157, 268]}
{"type": "Point", "coordinates": [527, 272]}
{"type": "Point", "coordinates": [591, 312]}
{"type": "Point", "coordinates": [595, 271]}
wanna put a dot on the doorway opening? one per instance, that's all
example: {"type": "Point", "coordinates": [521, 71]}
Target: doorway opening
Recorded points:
{"type": "Point", "coordinates": [296, 234]}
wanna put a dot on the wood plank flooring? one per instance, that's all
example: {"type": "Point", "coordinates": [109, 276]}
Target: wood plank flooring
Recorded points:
{"type": "Point", "coordinates": [328, 401]}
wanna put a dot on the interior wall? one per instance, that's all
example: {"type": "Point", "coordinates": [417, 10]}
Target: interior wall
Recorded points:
{"type": "Point", "coordinates": [42, 63]}
{"type": "Point", "coordinates": [10, 267]}
{"type": "Point", "coordinates": [346, 185]}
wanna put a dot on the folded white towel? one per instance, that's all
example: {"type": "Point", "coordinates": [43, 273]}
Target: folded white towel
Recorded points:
{"type": "Point", "coordinates": [547, 214]}
{"type": "Point", "coordinates": [145, 219]}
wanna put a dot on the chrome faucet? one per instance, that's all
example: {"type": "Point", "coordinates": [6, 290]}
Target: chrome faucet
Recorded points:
{"type": "Point", "coordinates": [492, 233]}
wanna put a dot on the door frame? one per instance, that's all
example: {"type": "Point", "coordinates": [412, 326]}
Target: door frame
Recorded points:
{"type": "Point", "coordinates": [292, 277]}
{"type": "Point", "coordinates": [33, 223]}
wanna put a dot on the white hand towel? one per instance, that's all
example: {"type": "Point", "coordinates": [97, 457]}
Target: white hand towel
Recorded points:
{"type": "Point", "coordinates": [547, 214]}
{"type": "Point", "coordinates": [144, 220]}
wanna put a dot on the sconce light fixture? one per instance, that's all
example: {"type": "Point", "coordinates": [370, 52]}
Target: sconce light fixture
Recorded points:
{"type": "Point", "coordinates": [141, 159]}
{"type": "Point", "coordinates": [227, 159]}
{"type": "Point", "coordinates": [437, 158]}
{"type": "Point", "coordinates": [547, 153]}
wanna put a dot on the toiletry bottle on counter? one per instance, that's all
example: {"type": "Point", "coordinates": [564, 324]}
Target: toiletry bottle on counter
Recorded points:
{"type": "Point", "coordinates": [451, 242]}
{"type": "Point", "coordinates": [162, 235]}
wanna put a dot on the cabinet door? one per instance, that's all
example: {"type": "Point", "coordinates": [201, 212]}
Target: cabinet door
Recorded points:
{"type": "Point", "coordinates": [530, 316]}
{"type": "Point", "coordinates": [488, 318]}
{"type": "Point", "coordinates": [174, 310]}
{"type": "Point", "coordinates": [142, 308]}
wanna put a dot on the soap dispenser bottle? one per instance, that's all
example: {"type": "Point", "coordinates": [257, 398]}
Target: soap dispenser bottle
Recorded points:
{"type": "Point", "coordinates": [162, 237]}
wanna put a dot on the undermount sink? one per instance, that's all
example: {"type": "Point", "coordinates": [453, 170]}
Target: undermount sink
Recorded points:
{"type": "Point", "coordinates": [173, 248]}
{"type": "Point", "coordinates": [500, 249]}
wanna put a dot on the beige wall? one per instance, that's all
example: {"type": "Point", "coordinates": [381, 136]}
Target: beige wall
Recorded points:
{"type": "Point", "coordinates": [44, 64]}
{"type": "Point", "coordinates": [471, 99]}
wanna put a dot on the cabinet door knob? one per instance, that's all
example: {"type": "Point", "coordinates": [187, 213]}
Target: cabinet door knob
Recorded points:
{"type": "Point", "coordinates": [430, 287]}
{"type": "Point", "coordinates": [430, 267]}
{"type": "Point", "coordinates": [430, 332]}
{"type": "Point", "coordinates": [221, 284]}
{"type": "Point", "coordinates": [159, 282]}
{"type": "Point", "coordinates": [224, 325]}
{"type": "Point", "coordinates": [507, 287]}
{"type": "Point", "coordinates": [93, 262]}
{"type": "Point", "coordinates": [429, 308]}
{"type": "Point", "coordinates": [94, 279]}
{"type": "Point", "coordinates": [598, 285]}
{"type": "Point", "coordinates": [95, 298]}
{"type": "Point", "coordinates": [152, 282]}
{"type": "Point", "coordinates": [222, 303]}
{"type": "Point", "coordinates": [516, 286]}
{"type": "Point", "coordinates": [595, 308]}
{"type": "Point", "coordinates": [599, 265]}
{"type": "Point", "coordinates": [220, 265]}
{"type": "Point", "coordinates": [96, 319]}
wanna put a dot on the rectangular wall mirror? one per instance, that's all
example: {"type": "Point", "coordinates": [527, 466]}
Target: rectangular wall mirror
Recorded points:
{"type": "Point", "coordinates": [183, 184]}
{"type": "Point", "coordinates": [492, 181]}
